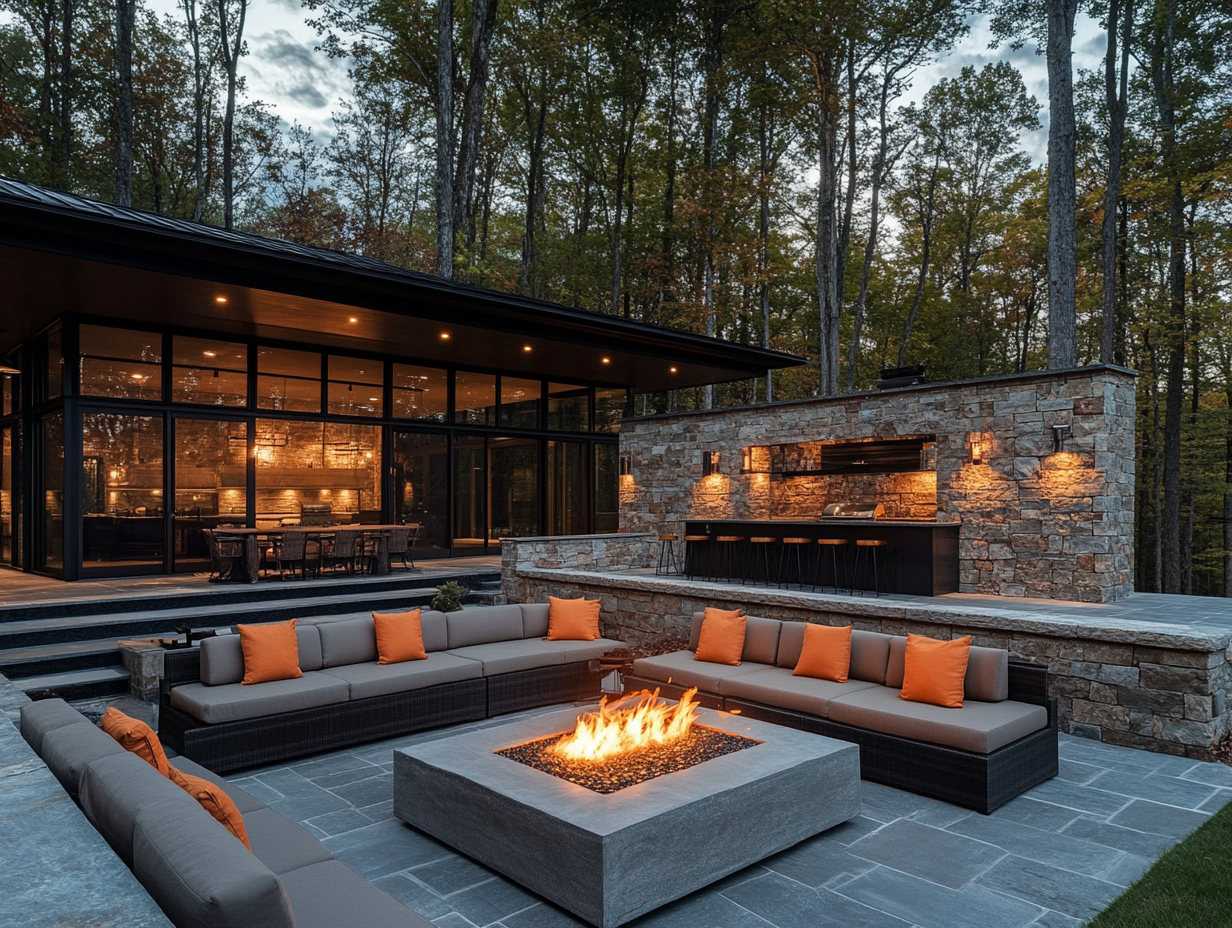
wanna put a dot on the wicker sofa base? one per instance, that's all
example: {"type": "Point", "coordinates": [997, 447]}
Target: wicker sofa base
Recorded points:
{"type": "Point", "coordinates": [543, 686]}
{"type": "Point", "coordinates": [982, 782]}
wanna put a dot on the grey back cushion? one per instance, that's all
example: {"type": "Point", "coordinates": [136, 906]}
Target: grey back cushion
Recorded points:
{"type": "Point", "coordinates": [869, 651]}
{"type": "Point", "coordinates": [115, 788]}
{"type": "Point", "coordinates": [69, 750]}
{"type": "Point", "coordinates": [43, 715]}
{"type": "Point", "coordinates": [435, 630]}
{"type": "Point", "coordinates": [351, 641]}
{"type": "Point", "coordinates": [484, 625]}
{"type": "Point", "coordinates": [535, 619]}
{"type": "Point", "coordinates": [988, 671]}
{"type": "Point", "coordinates": [200, 875]}
{"type": "Point", "coordinates": [222, 657]}
{"type": "Point", "coordinates": [761, 638]}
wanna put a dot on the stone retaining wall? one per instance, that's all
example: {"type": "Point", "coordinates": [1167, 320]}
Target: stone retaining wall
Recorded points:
{"type": "Point", "coordinates": [1034, 522]}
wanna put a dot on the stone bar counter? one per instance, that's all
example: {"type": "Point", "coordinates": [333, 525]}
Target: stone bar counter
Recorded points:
{"type": "Point", "coordinates": [922, 557]}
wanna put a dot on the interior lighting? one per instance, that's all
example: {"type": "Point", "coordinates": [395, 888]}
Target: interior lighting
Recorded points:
{"type": "Point", "coordinates": [220, 299]}
{"type": "Point", "coordinates": [210, 354]}
{"type": "Point", "coordinates": [1060, 432]}
{"type": "Point", "coordinates": [5, 369]}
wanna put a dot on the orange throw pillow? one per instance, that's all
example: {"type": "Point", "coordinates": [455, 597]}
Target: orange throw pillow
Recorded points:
{"type": "Point", "coordinates": [825, 653]}
{"type": "Point", "coordinates": [136, 736]}
{"type": "Point", "coordinates": [573, 619]}
{"type": "Point", "coordinates": [399, 637]}
{"type": "Point", "coordinates": [721, 640]}
{"type": "Point", "coordinates": [271, 652]}
{"type": "Point", "coordinates": [934, 671]}
{"type": "Point", "coordinates": [214, 800]}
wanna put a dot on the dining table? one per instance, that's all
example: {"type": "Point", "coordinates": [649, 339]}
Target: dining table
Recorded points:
{"type": "Point", "coordinates": [251, 539]}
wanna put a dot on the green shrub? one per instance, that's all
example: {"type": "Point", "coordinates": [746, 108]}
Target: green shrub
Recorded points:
{"type": "Point", "coordinates": [449, 597]}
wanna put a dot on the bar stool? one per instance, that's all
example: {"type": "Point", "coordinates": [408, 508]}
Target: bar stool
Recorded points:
{"type": "Point", "coordinates": [667, 556]}
{"type": "Point", "coordinates": [727, 558]}
{"type": "Point", "coordinates": [759, 556]}
{"type": "Point", "coordinates": [792, 548]}
{"type": "Point", "coordinates": [868, 547]}
{"type": "Point", "coordinates": [697, 548]}
{"type": "Point", "coordinates": [833, 544]}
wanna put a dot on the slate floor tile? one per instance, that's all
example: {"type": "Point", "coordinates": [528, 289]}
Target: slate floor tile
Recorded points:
{"type": "Point", "coordinates": [1043, 815]}
{"type": "Point", "coordinates": [383, 848]}
{"type": "Point", "coordinates": [1141, 843]}
{"type": "Point", "coordinates": [343, 777]}
{"type": "Point", "coordinates": [544, 916]}
{"type": "Point", "coordinates": [1127, 870]}
{"type": "Point", "coordinates": [414, 894]}
{"type": "Point", "coordinates": [335, 823]}
{"type": "Point", "coordinates": [1045, 846]}
{"type": "Point", "coordinates": [853, 830]}
{"type": "Point", "coordinates": [938, 856]}
{"type": "Point", "coordinates": [367, 792]}
{"type": "Point", "coordinates": [701, 908]}
{"type": "Point", "coordinates": [817, 862]}
{"type": "Point", "coordinates": [1158, 818]}
{"type": "Point", "coordinates": [1074, 894]}
{"type": "Point", "coordinates": [1081, 798]}
{"type": "Point", "coordinates": [930, 905]}
{"type": "Point", "coordinates": [1171, 790]}
{"type": "Point", "coordinates": [257, 789]}
{"type": "Point", "coordinates": [1051, 919]}
{"type": "Point", "coordinates": [491, 901]}
{"type": "Point", "coordinates": [1212, 774]}
{"type": "Point", "coordinates": [453, 920]}
{"type": "Point", "coordinates": [331, 765]}
{"type": "Point", "coordinates": [785, 903]}
{"type": "Point", "coordinates": [1221, 798]}
{"type": "Point", "coordinates": [1078, 772]}
{"type": "Point", "coordinates": [451, 874]}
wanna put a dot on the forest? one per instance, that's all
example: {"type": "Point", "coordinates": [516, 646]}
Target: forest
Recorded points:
{"type": "Point", "coordinates": [765, 171]}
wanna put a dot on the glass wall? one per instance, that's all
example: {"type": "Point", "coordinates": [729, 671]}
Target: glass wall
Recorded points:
{"type": "Point", "coordinates": [470, 494]}
{"type": "Point", "coordinates": [607, 488]}
{"type": "Point", "coordinates": [568, 407]}
{"type": "Point", "coordinates": [211, 483]}
{"type": "Point", "coordinates": [331, 470]}
{"type": "Point", "coordinates": [421, 393]}
{"type": "Point", "coordinates": [53, 492]}
{"type": "Point", "coordinates": [421, 488]}
{"type": "Point", "coordinates": [205, 370]}
{"type": "Point", "coordinates": [121, 489]}
{"type": "Point", "coordinates": [356, 387]}
{"type": "Point", "coordinates": [514, 481]}
{"type": "Point", "coordinates": [7, 522]}
{"type": "Point", "coordinates": [121, 363]}
{"type": "Point", "coordinates": [609, 409]}
{"type": "Point", "coordinates": [54, 359]}
{"type": "Point", "coordinates": [288, 380]}
{"type": "Point", "coordinates": [474, 399]}
{"type": "Point", "coordinates": [520, 403]}
{"type": "Point", "coordinates": [9, 394]}
{"type": "Point", "coordinates": [567, 510]}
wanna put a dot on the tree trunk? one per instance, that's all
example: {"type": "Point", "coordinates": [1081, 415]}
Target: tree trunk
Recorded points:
{"type": "Point", "coordinates": [201, 71]}
{"type": "Point", "coordinates": [1117, 102]}
{"type": "Point", "coordinates": [231, 49]}
{"type": "Point", "coordinates": [827, 252]}
{"type": "Point", "coordinates": [1062, 187]}
{"type": "Point", "coordinates": [125, 12]}
{"type": "Point", "coordinates": [849, 193]}
{"type": "Point", "coordinates": [64, 151]}
{"type": "Point", "coordinates": [482, 27]}
{"type": "Point", "coordinates": [533, 181]}
{"type": "Point", "coordinates": [926, 237]}
{"type": "Point", "coordinates": [669, 186]}
{"type": "Point", "coordinates": [444, 140]}
{"type": "Point", "coordinates": [763, 232]}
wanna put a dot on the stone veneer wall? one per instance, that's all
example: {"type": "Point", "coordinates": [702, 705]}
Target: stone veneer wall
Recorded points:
{"type": "Point", "coordinates": [1142, 685]}
{"type": "Point", "coordinates": [1034, 523]}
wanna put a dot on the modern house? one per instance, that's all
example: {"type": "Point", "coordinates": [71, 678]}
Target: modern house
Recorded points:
{"type": "Point", "coordinates": [159, 377]}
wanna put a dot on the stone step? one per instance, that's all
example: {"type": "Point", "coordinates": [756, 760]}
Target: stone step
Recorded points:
{"type": "Point", "coordinates": [77, 684]}
{"type": "Point", "coordinates": [61, 657]}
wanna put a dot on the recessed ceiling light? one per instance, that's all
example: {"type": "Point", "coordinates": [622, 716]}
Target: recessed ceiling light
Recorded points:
{"type": "Point", "coordinates": [673, 370]}
{"type": "Point", "coordinates": [209, 354]}
{"type": "Point", "coordinates": [444, 336]}
{"type": "Point", "coordinates": [353, 319]}
{"type": "Point", "coordinates": [138, 377]}
{"type": "Point", "coordinates": [374, 399]}
{"type": "Point", "coordinates": [607, 360]}
{"type": "Point", "coordinates": [220, 299]}
{"type": "Point", "coordinates": [526, 348]}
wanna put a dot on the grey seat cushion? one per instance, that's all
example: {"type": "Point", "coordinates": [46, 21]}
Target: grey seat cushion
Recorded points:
{"type": "Point", "coordinates": [222, 657]}
{"type": "Point", "coordinates": [200, 875]}
{"type": "Point", "coordinates": [574, 651]}
{"type": "Point", "coordinates": [331, 894]}
{"type": "Point", "coordinates": [870, 652]}
{"type": "Point", "coordinates": [988, 671]}
{"type": "Point", "coordinates": [776, 686]}
{"type": "Point", "coordinates": [511, 656]}
{"type": "Point", "coordinates": [234, 701]}
{"type": "Point", "coordinates": [982, 727]}
{"type": "Point", "coordinates": [70, 749]}
{"type": "Point", "coordinates": [280, 843]}
{"type": "Point", "coordinates": [373, 679]}
{"type": "Point", "coordinates": [483, 626]}
{"type": "Point", "coordinates": [244, 801]}
{"type": "Point", "coordinates": [38, 718]}
{"type": "Point", "coordinates": [761, 638]}
{"type": "Point", "coordinates": [681, 669]}
{"type": "Point", "coordinates": [116, 788]}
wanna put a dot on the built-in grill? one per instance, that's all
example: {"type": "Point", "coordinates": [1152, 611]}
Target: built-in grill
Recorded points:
{"type": "Point", "coordinates": [316, 513]}
{"type": "Point", "coordinates": [855, 510]}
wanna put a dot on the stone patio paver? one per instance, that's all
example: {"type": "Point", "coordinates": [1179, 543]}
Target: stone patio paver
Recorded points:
{"type": "Point", "coordinates": [1048, 859]}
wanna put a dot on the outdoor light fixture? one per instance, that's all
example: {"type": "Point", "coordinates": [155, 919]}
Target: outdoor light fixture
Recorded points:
{"type": "Point", "coordinates": [746, 460]}
{"type": "Point", "coordinates": [673, 370]}
{"type": "Point", "coordinates": [710, 463]}
{"type": "Point", "coordinates": [607, 360]}
{"type": "Point", "coordinates": [444, 336]}
{"type": "Point", "coordinates": [526, 348]}
{"type": "Point", "coordinates": [1060, 432]}
{"type": "Point", "coordinates": [626, 466]}
{"type": "Point", "coordinates": [352, 320]}
{"type": "Point", "coordinates": [977, 452]}
{"type": "Point", "coordinates": [220, 299]}
{"type": "Point", "coordinates": [5, 369]}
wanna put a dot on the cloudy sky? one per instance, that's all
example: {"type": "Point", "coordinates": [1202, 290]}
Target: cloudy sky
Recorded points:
{"type": "Point", "coordinates": [282, 67]}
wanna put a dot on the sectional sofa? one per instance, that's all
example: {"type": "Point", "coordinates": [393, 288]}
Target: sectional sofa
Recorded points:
{"type": "Point", "coordinates": [1000, 743]}
{"type": "Point", "coordinates": [482, 662]}
{"type": "Point", "coordinates": [197, 872]}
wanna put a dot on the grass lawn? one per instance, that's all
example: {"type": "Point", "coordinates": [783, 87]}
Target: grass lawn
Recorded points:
{"type": "Point", "coordinates": [1189, 887]}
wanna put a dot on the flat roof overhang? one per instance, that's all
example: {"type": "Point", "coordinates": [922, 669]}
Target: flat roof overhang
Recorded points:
{"type": "Point", "coordinates": [61, 254]}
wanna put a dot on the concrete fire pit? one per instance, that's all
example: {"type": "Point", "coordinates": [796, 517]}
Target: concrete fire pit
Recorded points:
{"type": "Point", "coordinates": [610, 858]}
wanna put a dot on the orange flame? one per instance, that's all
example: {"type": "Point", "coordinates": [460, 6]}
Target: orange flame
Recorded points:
{"type": "Point", "coordinates": [635, 722]}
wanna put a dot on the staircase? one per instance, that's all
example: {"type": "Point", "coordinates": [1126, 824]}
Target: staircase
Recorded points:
{"type": "Point", "coordinates": [70, 649]}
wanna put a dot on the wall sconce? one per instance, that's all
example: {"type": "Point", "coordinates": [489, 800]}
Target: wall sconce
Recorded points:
{"type": "Point", "coordinates": [746, 460]}
{"type": "Point", "coordinates": [710, 463]}
{"type": "Point", "coordinates": [977, 451]}
{"type": "Point", "coordinates": [626, 466]}
{"type": "Point", "coordinates": [1060, 432]}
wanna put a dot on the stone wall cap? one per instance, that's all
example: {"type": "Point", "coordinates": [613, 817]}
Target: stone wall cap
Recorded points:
{"type": "Point", "coordinates": [604, 536]}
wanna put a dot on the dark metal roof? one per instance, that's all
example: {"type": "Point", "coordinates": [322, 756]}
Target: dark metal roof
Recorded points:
{"type": "Point", "coordinates": [88, 252]}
